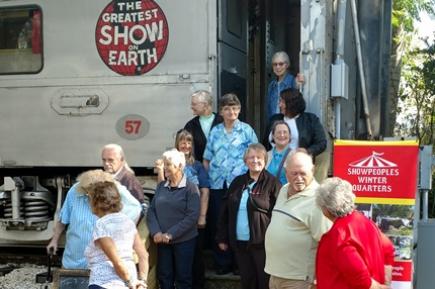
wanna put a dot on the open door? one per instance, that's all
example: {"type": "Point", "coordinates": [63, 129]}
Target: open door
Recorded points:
{"type": "Point", "coordinates": [232, 50]}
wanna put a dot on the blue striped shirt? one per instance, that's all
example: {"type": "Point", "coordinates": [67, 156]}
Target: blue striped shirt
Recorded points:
{"type": "Point", "coordinates": [77, 214]}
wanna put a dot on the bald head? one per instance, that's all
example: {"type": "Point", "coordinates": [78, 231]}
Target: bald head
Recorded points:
{"type": "Point", "coordinates": [299, 171]}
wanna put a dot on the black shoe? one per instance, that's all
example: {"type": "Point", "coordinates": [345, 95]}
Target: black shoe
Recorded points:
{"type": "Point", "coordinates": [223, 271]}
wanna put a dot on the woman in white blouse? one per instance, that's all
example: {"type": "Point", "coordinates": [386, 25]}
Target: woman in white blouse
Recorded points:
{"type": "Point", "coordinates": [110, 252]}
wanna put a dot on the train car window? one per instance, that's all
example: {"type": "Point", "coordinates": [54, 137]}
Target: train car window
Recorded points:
{"type": "Point", "coordinates": [234, 17]}
{"type": "Point", "coordinates": [20, 40]}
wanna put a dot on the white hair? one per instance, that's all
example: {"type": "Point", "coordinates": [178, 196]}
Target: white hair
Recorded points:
{"type": "Point", "coordinates": [118, 149]}
{"type": "Point", "coordinates": [299, 151]}
{"type": "Point", "coordinates": [282, 55]}
{"type": "Point", "coordinates": [203, 96]}
{"type": "Point", "coordinates": [176, 157]}
{"type": "Point", "coordinates": [336, 196]}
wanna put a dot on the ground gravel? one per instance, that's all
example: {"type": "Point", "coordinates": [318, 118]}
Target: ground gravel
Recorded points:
{"type": "Point", "coordinates": [23, 277]}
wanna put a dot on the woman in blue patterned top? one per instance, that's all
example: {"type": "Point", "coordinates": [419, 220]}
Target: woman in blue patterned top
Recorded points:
{"type": "Point", "coordinates": [223, 158]}
{"type": "Point", "coordinates": [276, 156]}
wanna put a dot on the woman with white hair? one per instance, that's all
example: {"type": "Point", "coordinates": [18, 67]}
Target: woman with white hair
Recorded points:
{"type": "Point", "coordinates": [283, 80]}
{"type": "Point", "coordinates": [172, 220]}
{"type": "Point", "coordinates": [353, 253]}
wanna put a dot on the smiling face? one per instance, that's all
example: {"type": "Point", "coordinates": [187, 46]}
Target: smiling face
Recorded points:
{"type": "Point", "coordinates": [170, 170]}
{"type": "Point", "coordinates": [255, 161]}
{"type": "Point", "coordinates": [280, 66]}
{"type": "Point", "coordinates": [230, 112]}
{"type": "Point", "coordinates": [185, 146]}
{"type": "Point", "coordinates": [299, 172]}
{"type": "Point", "coordinates": [281, 136]}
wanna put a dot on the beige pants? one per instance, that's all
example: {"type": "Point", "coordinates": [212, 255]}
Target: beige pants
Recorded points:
{"type": "Point", "coordinates": [142, 228]}
{"type": "Point", "coordinates": [281, 283]}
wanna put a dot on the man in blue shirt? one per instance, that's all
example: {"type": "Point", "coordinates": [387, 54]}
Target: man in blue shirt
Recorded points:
{"type": "Point", "coordinates": [77, 214]}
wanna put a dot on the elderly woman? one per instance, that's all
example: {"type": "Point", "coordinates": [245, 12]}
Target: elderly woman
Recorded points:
{"type": "Point", "coordinates": [77, 218]}
{"type": "Point", "coordinates": [277, 155]}
{"type": "Point", "coordinates": [172, 220]}
{"type": "Point", "coordinates": [283, 80]}
{"type": "Point", "coordinates": [194, 172]}
{"type": "Point", "coordinates": [305, 128]}
{"type": "Point", "coordinates": [205, 119]}
{"type": "Point", "coordinates": [223, 160]}
{"type": "Point", "coordinates": [354, 253]}
{"type": "Point", "coordinates": [110, 252]}
{"type": "Point", "coordinates": [245, 215]}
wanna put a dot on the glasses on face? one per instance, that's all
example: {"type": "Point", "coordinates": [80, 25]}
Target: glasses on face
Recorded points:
{"type": "Point", "coordinates": [231, 108]}
{"type": "Point", "coordinates": [278, 63]}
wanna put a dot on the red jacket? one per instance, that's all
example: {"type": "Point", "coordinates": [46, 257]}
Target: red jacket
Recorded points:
{"type": "Point", "coordinates": [351, 253]}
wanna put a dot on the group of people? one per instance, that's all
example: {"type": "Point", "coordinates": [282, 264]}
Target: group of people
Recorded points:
{"type": "Point", "coordinates": [257, 206]}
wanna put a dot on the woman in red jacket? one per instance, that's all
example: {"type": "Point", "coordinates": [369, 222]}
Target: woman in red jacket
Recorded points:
{"type": "Point", "coordinates": [354, 254]}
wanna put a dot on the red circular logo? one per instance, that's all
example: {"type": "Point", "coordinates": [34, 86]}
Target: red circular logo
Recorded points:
{"type": "Point", "coordinates": [132, 36]}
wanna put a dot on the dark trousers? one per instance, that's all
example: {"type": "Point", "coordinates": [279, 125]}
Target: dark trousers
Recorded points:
{"type": "Point", "coordinates": [198, 270]}
{"type": "Point", "coordinates": [251, 261]}
{"type": "Point", "coordinates": [174, 266]}
{"type": "Point", "coordinates": [223, 259]}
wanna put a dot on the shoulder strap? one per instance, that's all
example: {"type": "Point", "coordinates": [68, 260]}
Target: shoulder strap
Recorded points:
{"type": "Point", "coordinates": [278, 173]}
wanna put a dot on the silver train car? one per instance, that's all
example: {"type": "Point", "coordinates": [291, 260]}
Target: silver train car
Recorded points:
{"type": "Point", "coordinates": [75, 75]}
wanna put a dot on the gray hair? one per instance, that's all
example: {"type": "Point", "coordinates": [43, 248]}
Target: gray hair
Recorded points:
{"type": "Point", "coordinates": [88, 179]}
{"type": "Point", "coordinates": [118, 149]}
{"type": "Point", "coordinates": [258, 147]}
{"type": "Point", "coordinates": [336, 196]}
{"type": "Point", "coordinates": [283, 55]}
{"type": "Point", "coordinates": [176, 157]}
{"type": "Point", "coordinates": [301, 151]}
{"type": "Point", "coordinates": [203, 96]}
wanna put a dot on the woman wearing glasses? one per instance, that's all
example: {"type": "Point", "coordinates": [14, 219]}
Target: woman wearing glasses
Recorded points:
{"type": "Point", "coordinates": [245, 215]}
{"type": "Point", "coordinates": [283, 80]}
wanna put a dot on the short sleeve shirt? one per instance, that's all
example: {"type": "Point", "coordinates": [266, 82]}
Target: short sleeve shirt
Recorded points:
{"type": "Point", "coordinates": [122, 231]}
{"type": "Point", "coordinates": [225, 152]}
{"type": "Point", "coordinates": [77, 214]}
{"type": "Point", "coordinates": [293, 234]}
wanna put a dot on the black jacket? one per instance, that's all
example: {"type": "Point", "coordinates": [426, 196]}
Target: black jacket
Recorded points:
{"type": "Point", "coordinates": [311, 134]}
{"type": "Point", "coordinates": [264, 194]}
{"type": "Point", "coordinates": [199, 139]}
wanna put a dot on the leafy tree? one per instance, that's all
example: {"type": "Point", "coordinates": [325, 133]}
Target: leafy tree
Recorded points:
{"type": "Point", "coordinates": [405, 12]}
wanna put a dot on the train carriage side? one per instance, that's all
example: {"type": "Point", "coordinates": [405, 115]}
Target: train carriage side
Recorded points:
{"type": "Point", "coordinates": [75, 75]}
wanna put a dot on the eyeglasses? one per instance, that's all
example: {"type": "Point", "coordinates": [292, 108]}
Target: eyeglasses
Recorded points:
{"type": "Point", "coordinates": [278, 63]}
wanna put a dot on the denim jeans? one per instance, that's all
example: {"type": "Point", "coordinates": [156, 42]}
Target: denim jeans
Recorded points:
{"type": "Point", "coordinates": [174, 266]}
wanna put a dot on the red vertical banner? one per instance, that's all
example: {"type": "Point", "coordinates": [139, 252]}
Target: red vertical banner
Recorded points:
{"type": "Point", "coordinates": [384, 179]}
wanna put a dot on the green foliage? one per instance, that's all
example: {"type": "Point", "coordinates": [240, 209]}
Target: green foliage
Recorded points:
{"type": "Point", "coordinates": [417, 95]}
{"type": "Point", "coordinates": [404, 14]}
{"type": "Point", "coordinates": [416, 111]}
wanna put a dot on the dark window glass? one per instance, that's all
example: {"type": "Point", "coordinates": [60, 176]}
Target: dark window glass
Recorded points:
{"type": "Point", "coordinates": [20, 40]}
{"type": "Point", "coordinates": [234, 17]}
